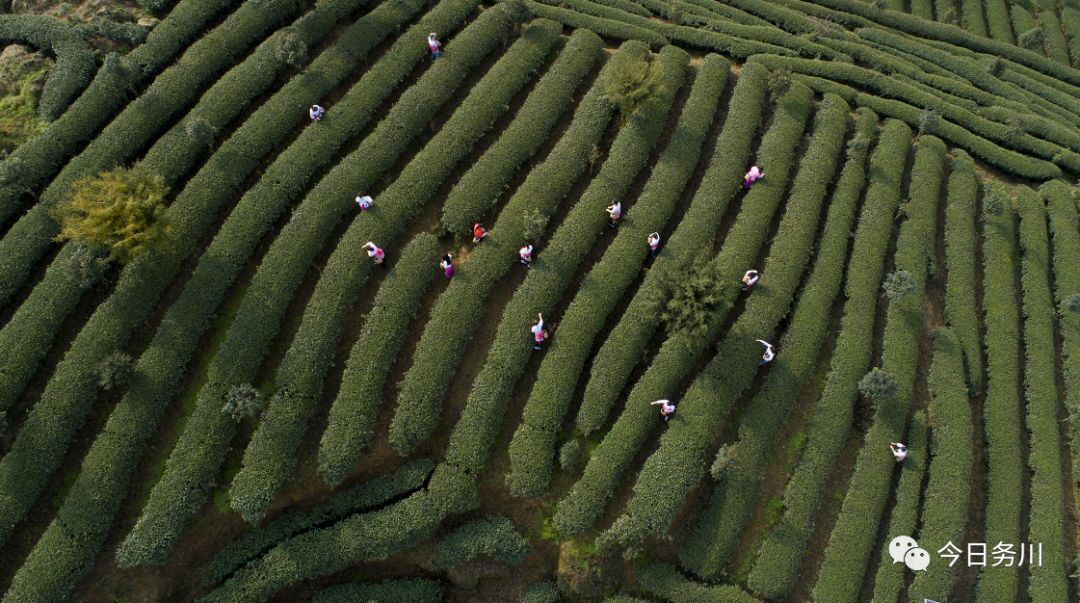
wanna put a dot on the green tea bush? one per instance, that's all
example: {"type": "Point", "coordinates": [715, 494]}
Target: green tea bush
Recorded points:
{"type": "Point", "coordinates": [585, 502]}
{"type": "Point", "coordinates": [490, 537]}
{"type": "Point", "coordinates": [781, 554]}
{"type": "Point", "coordinates": [848, 551]}
{"type": "Point", "coordinates": [554, 269]}
{"type": "Point", "coordinates": [72, 388]}
{"type": "Point", "coordinates": [1046, 523]}
{"type": "Point", "coordinates": [271, 453]}
{"type": "Point", "coordinates": [458, 309]}
{"type": "Point", "coordinates": [621, 351]}
{"type": "Point", "coordinates": [1065, 235]}
{"type": "Point", "coordinates": [478, 189]}
{"type": "Point", "coordinates": [197, 457]}
{"type": "Point", "coordinates": [671, 472]}
{"type": "Point", "coordinates": [960, 290]}
{"type": "Point", "coordinates": [745, 461]}
{"type": "Point", "coordinates": [944, 512]}
{"type": "Point", "coordinates": [532, 448]}
{"type": "Point", "coordinates": [363, 497]}
{"type": "Point", "coordinates": [75, 61]}
{"type": "Point", "coordinates": [413, 590]}
{"type": "Point", "coordinates": [1002, 421]}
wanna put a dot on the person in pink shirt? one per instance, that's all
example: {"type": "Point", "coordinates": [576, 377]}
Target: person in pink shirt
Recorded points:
{"type": "Point", "coordinates": [749, 279]}
{"type": "Point", "coordinates": [654, 244]}
{"type": "Point", "coordinates": [525, 254]}
{"type": "Point", "coordinates": [374, 252]}
{"type": "Point", "coordinates": [434, 45]}
{"type": "Point", "coordinates": [538, 333]}
{"type": "Point", "coordinates": [752, 176]}
{"type": "Point", "coordinates": [447, 264]}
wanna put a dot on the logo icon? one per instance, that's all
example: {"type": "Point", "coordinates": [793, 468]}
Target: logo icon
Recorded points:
{"type": "Point", "coordinates": [904, 549]}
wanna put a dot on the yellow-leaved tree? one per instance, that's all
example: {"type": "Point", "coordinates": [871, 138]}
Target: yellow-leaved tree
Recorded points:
{"type": "Point", "coordinates": [120, 212]}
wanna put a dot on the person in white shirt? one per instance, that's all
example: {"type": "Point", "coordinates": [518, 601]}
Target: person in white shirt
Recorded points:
{"type": "Point", "coordinates": [374, 252]}
{"type": "Point", "coordinates": [316, 112]}
{"type": "Point", "coordinates": [666, 408]}
{"type": "Point", "coordinates": [749, 279]}
{"type": "Point", "coordinates": [654, 244]}
{"type": "Point", "coordinates": [614, 212]}
{"type": "Point", "coordinates": [525, 254]}
{"type": "Point", "coordinates": [899, 451]}
{"type": "Point", "coordinates": [364, 201]}
{"type": "Point", "coordinates": [770, 352]}
{"type": "Point", "coordinates": [538, 332]}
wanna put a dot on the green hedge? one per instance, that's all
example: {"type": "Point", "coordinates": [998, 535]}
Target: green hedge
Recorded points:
{"type": "Point", "coordinates": [489, 537]}
{"type": "Point", "coordinates": [1070, 19]}
{"type": "Point", "coordinates": [664, 581]}
{"type": "Point", "coordinates": [706, 7]}
{"type": "Point", "coordinates": [351, 425]}
{"type": "Point", "coordinates": [961, 241]}
{"type": "Point", "coordinates": [75, 62]}
{"type": "Point", "coordinates": [743, 40]}
{"type": "Point", "coordinates": [196, 460]}
{"type": "Point", "coordinates": [967, 68]}
{"type": "Point", "coordinates": [1047, 520]}
{"type": "Point", "coordinates": [954, 35]}
{"type": "Point", "coordinates": [541, 592]}
{"type": "Point", "coordinates": [1004, 159]}
{"type": "Point", "coordinates": [1065, 230]}
{"type": "Point", "coordinates": [621, 350]}
{"type": "Point", "coordinates": [1040, 90]}
{"type": "Point", "coordinates": [670, 473]}
{"type": "Point", "coordinates": [608, 28]}
{"type": "Point", "coordinates": [459, 308]}
{"type": "Point", "coordinates": [998, 21]}
{"type": "Point", "coordinates": [919, 96]}
{"type": "Point", "coordinates": [40, 317]}
{"type": "Point", "coordinates": [971, 15]}
{"type": "Point", "coordinates": [479, 188]}
{"type": "Point", "coordinates": [363, 497]}
{"type": "Point", "coordinates": [904, 514]}
{"type": "Point", "coordinates": [271, 454]}
{"type": "Point", "coordinates": [1023, 21]}
{"type": "Point", "coordinates": [1001, 418]}
{"type": "Point", "coordinates": [945, 504]}
{"type": "Point", "coordinates": [554, 269]}
{"type": "Point", "coordinates": [922, 8]}
{"type": "Point", "coordinates": [780, 557]}
{"type": "Point", "coordinates": [141, 121]}
{"type": "Point", "coordinates": [327, 550]}
{"type": "Point", "coordinates": [35, 162]}
{"type": "Point", "coordinates": [413, 590]}
{"type": "Point", "coordinates": [587, 499]}
{"type": "Point", "coordinates": [157, 6]}
{"type": "Point", "coordinates": [734, 497]}
{"type": "Point", "coordinates": [73, 387]}
{"type": "Point", "coordinates": [849, 550]}
{"type": "Point", "coordinates": [1056, 46]}
{"type": "Point", "coordinates": [532, 448]}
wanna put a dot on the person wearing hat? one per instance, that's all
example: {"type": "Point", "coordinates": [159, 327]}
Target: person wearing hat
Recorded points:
{"type": "Point", "coordinates": [375, 252]}
{"type": "Point", "coordinates": [316, 112]}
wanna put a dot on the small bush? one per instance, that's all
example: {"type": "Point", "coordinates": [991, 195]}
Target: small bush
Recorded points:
{"type": "Point", "coordinates": [86, 266]}
{"type": "Point", "coordinates": [929, 121]}
{"type": "Point", "coordinates": [878, 385]}
{"type": "Point", "coordinates": [572, 454]}
{"type": "Point", "coordinates": [241, 402]}
{"type": "Point", "coordinates": [723, 460]}
{"type": "Point", "coordinates": [535, 223]}
{"type": "Point", "coordinates": [1072, 303]}
{"type": "Point", "coordinates": [291, 49]}
{"type": "Point", "coordinates": [898, 285]}
{"type": "Point", "coordinates": [779, 81]}
{"type": "Point", "coordinates": [121, 211]}
{"type": "Point", "coordinates": [541, 592]}
{"type": "Point", "coordinates": [493, 537]}
{"type": "Point", "coordinates": [1031, 39]}
{"type": "Point", "coordinates": [698, 296]}
{"type": "Point", "coordinates": [632, 83]}
{"type": "Point", "coordinates": [200, 131]}
{"type": "Point", "coordinates": [115, 370]}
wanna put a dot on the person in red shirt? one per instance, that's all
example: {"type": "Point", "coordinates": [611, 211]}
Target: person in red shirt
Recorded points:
{"type": "Point", "coordinates": [478, 233]}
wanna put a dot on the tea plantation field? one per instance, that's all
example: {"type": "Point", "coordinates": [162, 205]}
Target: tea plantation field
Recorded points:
{"type": "Point", "coordinates": [242, 404]}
